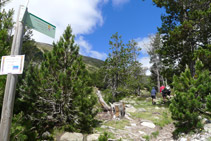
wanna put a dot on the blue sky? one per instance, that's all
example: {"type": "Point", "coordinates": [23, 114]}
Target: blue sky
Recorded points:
{"type": "Point", "coordinates": [94, 21]}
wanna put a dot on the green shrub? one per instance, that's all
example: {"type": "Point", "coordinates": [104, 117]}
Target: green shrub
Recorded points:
{"type": "Point", "coordinates": [104, 137]}
{"type": "Point", "coordinates": [192, 98]}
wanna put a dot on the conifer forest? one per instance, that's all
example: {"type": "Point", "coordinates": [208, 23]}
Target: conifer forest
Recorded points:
{"type": "Point", "coordinates": [62, 91]}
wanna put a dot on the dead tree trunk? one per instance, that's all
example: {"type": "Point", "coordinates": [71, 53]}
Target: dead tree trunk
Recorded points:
{"type": "Point", "coordinates": [102, 102]}
{"type": "Point", "coordinates": [117, 109]}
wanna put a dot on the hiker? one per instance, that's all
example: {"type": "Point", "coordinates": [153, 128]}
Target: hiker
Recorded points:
{"type": "Point", "coordinates": [164, 94]}
{"type": "Point", "coordinates": [169, 90]}
{"type": "Point", "coordinates": [153, 94]}
{"type": "Point", "coordinates": [161, 88]}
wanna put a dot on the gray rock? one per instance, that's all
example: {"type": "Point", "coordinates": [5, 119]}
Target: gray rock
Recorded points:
{"type": "Point", "coordinates": [131, 102]}
{"type": "Point", "coordinates": [133, 124]}
{"type": "Point", "coordinates": [127, 127]}
{"type": "Point", "coordinates": [156, 117]}
{"type": "Point", "coordinates": [148, 124]}
{"type": "Point", "coordinates": [103, 126]}
{"type": "Point", "coordinates": [142, 133]}
{"type": "Point", "coordinates": [207, 127]}
{"type": "Point", "coordinates": [46, 135]}
{"type": "Point", "coordinates": [109, 127]}
{"type": "Point", "coordinates": [127, 117]}
{"type": "Point", "coordinates": [131, 109]}
{"type": "Point", "coordinates": [71, 137]}
{"type": "Point", "coordinates": [157, 108]}
{"type": "Point", "coordinates": [202, 139]}
{"type": "Point", "coordinates": [128, 106]}
{"type": "Point", "coordinates": [183, 139]}
{"type": "Point", "coordinates": [204, 120]}
{"type": "Point", "coordinates": [93, 137]}
{"type": "Point", "coordinates": [142, 139]}
{"type": "Point", "coordinates": [200, 117]}
{"type": "Point", "coordinates": [141, 110]}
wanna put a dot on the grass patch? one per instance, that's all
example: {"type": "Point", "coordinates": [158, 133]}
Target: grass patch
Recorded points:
{"type": "Point", "coordinates": [119, 124]}
{"type": "Point", "coordinates": [99, 129]}
{"type": "Point", "coordinates": [105, 136]}
{"type": "Point", "coordinates": [147, 137]}
{"type": "Point", "coordinates": [208, 139]}
{"type": "Point", "coordinates": [164, 119]}
{"type": "Point", "coordinates": [57, 133]}
{"type": "Point", "coordinates": [163, 114]}
{"type": "Point", "coordinates": [154, 134]}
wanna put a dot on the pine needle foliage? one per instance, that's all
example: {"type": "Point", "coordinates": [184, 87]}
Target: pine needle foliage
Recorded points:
{"type": "Point", "coordinates": [192, 98]}
{"type": "Point", "coordinates": [56, 93]}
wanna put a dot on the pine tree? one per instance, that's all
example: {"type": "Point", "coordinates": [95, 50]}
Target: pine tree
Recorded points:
{"type": "Point", "coordinates": [135, 72]}
{"type": "Point", "coordinates": [116, 64]}
{"type": "Point", "coordinates": [186, 28]}
{"type": "Point", "coordinates": [155, 59]}
{"type": "Point", "coordinates": [123, 72]}
{"type": "Point", "coordinates": [30, 50]}
{"type": "Point", "coordinates": [192, 97]}
{"type": "Point", "coordinates": [57, 91]}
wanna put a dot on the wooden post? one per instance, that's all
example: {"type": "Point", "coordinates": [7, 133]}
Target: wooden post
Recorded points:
{"type": "Point", "coordinates": [9, 95]}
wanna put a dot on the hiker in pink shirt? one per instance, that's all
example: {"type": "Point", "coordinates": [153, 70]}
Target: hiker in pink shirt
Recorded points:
{"type": "Point", "coordinates": [161, 88]}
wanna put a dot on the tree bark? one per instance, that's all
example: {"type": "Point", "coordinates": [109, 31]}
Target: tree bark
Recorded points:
{"type": "Point", "coordinates": [102, 102]}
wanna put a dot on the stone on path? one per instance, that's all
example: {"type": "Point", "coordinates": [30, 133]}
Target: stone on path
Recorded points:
{"type": "Point", "coordinates": [103, 126]}
{"type": "Point", "coordinates": [127, 127]}
{"type": "Point", "coordinates": [142, 133]}
{"type": "Point", "coordinates": [183, 139]}
{"type": "Point", "coordinates": [127, 117]}
{"type": "Point", "coordinates": [130, 109]}
{"type": "Point", "coordinates": [71, 137]}
{"type": "Point", "coordinates": [157, 108]}
{"type": "Point", "coordinates": [207, 127]}
{"type": "Point", "coordinates": [148, 124]}
{"type": "Point", "coordinates": [141, 110]}
{"type": "Point", "coordinates": [133, 124]}
{"type": "Point", "coordinates": [93, 137]}
{"type": "Point", "coordinates": [156, 117]}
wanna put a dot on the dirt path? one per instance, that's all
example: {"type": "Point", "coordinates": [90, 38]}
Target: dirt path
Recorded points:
{"type": "Point", "coordinates": [165, 134]}
{"type": "Point", "coordinates": [141, 123]}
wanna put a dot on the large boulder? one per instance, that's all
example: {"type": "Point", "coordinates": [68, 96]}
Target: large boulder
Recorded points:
{"type": "Point", "coordinates": [71, 137]}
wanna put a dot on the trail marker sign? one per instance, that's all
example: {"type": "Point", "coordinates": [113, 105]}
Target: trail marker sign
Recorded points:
{"type": "Point", "coordinates": [12, 64]}
{"type": "Point", "coordinates": [40, 25]}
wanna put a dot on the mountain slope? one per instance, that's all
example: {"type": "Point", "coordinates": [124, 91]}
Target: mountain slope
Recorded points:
{"type": "Point", "coordinates": [92, 64]}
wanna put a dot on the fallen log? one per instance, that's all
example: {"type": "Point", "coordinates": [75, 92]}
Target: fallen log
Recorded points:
{"type": "Point", "coordinates": [117, 109]}
{"type": "Point", "coordinates": [102, 102]}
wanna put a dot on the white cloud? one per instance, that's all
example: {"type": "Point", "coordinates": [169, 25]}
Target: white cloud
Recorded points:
{"type": "Point", "coordinates": [144, 44]}
{"type": "Point", "coordinates": [83, 15]}
{"type": "Point", "coordinates": [119, 2]}
{"type": "Point", "coordinates": [145, 61]}
{"type": "Point", "coordinates": [86, 49]}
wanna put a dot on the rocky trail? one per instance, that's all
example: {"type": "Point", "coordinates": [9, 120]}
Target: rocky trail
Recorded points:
{"type": "Point", "coordinates": [136, 125]}
{"type": "Point", "coordinates": [142, 122]}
